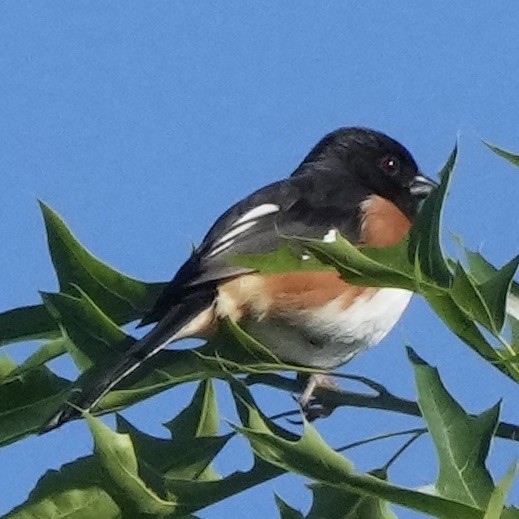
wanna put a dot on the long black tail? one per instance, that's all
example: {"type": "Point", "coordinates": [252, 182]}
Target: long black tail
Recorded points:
{"type": "Point", "coordinates": [90, 390]}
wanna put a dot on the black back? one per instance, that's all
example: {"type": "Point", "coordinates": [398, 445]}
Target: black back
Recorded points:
{"type": "Point", "coordinates": [324, 192]}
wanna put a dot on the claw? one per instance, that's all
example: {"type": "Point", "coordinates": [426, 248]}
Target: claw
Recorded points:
{"type": "Point", "coordinates": [310, 405]}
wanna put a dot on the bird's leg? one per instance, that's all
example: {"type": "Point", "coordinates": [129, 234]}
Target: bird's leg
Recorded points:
{"type": "Point", "coordinates": [311, 406]}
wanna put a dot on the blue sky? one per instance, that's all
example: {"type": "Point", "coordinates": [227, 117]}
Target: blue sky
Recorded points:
{"type": "Point", "coordinates": [140, 122]}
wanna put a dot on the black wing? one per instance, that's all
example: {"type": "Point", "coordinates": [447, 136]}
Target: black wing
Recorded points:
{"type": "Point", "coordinates": [306, 205]}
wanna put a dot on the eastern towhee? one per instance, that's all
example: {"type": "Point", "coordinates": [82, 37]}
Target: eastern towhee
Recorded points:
{"type": "Point", "coordinates": [355, 181]}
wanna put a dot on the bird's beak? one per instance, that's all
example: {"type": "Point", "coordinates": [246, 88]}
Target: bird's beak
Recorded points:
{"type": "Point", "coordinates": [421, 186]}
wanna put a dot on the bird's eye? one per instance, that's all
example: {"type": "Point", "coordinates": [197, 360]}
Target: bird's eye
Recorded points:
{"type": "Point", "coordinates": [390, 165]}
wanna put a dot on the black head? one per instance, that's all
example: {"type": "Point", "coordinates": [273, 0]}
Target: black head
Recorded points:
{"type": "Point", "coordinates": [380, 164]}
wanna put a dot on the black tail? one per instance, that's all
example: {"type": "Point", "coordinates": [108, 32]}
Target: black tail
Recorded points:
{"type": "Point", "coordinates": [91, 389]}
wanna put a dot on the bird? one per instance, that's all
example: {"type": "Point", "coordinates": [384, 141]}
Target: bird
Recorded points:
{"type": "Point", "coordinates": [356, 182]}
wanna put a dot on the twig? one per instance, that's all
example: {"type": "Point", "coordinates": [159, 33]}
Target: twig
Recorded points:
{"type": "Point", "coordinates": [334, 398]}
{"type": "Point", "coordinates": [359, 443]}
{"type": "Point", "coordinates": [404, 447]}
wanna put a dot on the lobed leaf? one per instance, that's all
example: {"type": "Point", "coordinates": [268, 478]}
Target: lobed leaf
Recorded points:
{"type": "Point", "coordinates": [424, 245]}
{"type": "Point", "coordinates": [41, 356]}
{"type": "Point", "coordinates": [496, 503]}
{"type": "Point", "coordinates": [200, 418]}
{"type": "Point", "coordinates": [334, 503]}
{"type": "Point", "coordinates": [286, 511]}
{"type": "Point", "coordinates": [121, 297]}
{"type": "Point", "coordinates": [132, 473]}
{"type": "Point", "coordinates": [387, 267]}
{"type": "Point", "coordinates": [495, 292]}
{"type": "Point", "coordinates": [73, 492]}
{"type": "Point", "coordinates": [27, 323]}
{"type": "Point", "coordinates": [462, 441]}
{"type": "Point", "coordinates": [485, 301]}
{"type": "Point", "coordinates": [116, 456]}
{"type": "Point", "coordinates": [94, 337]}
{"type": "Point", "coordinates": [27, 399]}
{"type": "Point", "coordinates": [194, 443]}
{"type": "Point", "coordinates": [510, 157]}
{"type": "Point", "coordinates": [310, 456]}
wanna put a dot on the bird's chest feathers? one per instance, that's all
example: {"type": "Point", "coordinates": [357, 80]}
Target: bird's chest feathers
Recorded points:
{"type": "Point", "coordinates": [310, 333]}
{"type": "Point", "coordinates": [329, 337]}
{"type": "Point", "coordinates": [315, 318]}
{"type": "Point", "coordinates": [382, 223]}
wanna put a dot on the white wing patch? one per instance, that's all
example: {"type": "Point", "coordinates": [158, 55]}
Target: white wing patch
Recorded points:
{"type": "Point", "coordinates": [257, 212]}
{"type": "Point", "coordinates": [242, 224]}
{"type": "Point", "coordinates": [235, 230]}
{"type": "Point", "coordinates": [220, 248]}
{"type": "Point", "coordinates": [330, 236]}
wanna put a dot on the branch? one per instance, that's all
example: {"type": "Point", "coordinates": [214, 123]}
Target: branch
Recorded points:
{"type": "Point", "coordinates": [333, 398]}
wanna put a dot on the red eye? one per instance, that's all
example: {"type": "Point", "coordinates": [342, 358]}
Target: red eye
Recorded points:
{"type": "Point", "coordinates": [390, 165]}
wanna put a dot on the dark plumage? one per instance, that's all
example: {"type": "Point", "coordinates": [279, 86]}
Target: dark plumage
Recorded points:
{"type": "Point", "coordinates": [342, 175]}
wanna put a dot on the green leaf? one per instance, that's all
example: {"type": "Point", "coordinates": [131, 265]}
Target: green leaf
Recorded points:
{"type": "Point", "coordinates": [510, 157]}
{"type": "Point", "coordinates": [482, 270]}
{"type": "Point", "coordinates": [95, 342]}
{"type": "Point", "coordinates": [459, 321]}
{"type": "Point", "coordinates": [122, 298]}
{"type": "Point", "coordinates": [285, 259]}
{"type": "Point", "coordinates": [45, 353]}
{"type": "Point", "coordinates": [466, 294]}
{"type": "Point", "coordinates": [286, 511]}
{"type": "Point", "coordinates": [27, 323]}
{"type": "Point", "coordinates": [194, 442]}
{"type": "Point", "coordinates": [310, 456]}
{"type": "Point", "coordinates": [27, 400]}
{"type": "Point", "coordinates": [254, 348]}
{"type": "Point", "coordinates": [74, 491]}
{"type": "Point", "coordinates": [184, 460]}
{"type": "Point", "coordinates": [200, 418]}
{"type": "Point", "coordinates": [116, 456]}
{"type": "Point", "coordinates": [178, 458]}
{"type": "Point", "coordinates": [334, 503]}
{"type": "Point", "coordinates": [370, 266]}
{"type": "Point", "coordinates": [485, 301]}
{"type": "Point", "coordinates": [425, 247]}
{"type": "Point", "coordinates": [462, 441]}
{"type": "Point", "coordinates": [495, 291]}
{"type": "Point", "coordinates": [93, 335]}
{"type": "Point", "coordinates": [126, 470]}
{"type": "Point", "coordinates": [510, 513]}
{"type": "Point", "coordinates": [513, 323]}
{"type": "Point", "coordinates": [497, 499]}
{"type": "Point", "coordinates": [195, 495]}
{"type": "Point", "coordinates": [386, 267]}
{"type": "Point", "coordinates": [165, 370]}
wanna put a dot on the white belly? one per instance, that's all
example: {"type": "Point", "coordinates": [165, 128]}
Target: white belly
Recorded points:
{"type": "Point", "coordinates": [331, 336]}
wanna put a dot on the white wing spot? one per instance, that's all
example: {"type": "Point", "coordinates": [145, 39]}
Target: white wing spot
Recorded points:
{"type": "Point", "coordinates": [257, 212]}
{"type": "Point", "coordinates": [235, 231]}
{"type": "Point", "coordinates": [242, 224]}
{"type": "Point", "coordinates": [221, 248]}
{"type": "Point", "coordinates": [330, 236]}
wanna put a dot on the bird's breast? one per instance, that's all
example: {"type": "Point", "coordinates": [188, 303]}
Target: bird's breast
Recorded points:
{"type": "Point", "coordinates": [313, 320]}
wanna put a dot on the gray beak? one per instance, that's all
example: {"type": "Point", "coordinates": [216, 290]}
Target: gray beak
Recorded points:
{"type": "Point", "coordinates": [421, 186]}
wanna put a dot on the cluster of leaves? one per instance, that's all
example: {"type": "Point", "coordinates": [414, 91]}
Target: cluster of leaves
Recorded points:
{"type": "Point", "coordinates": [132, 474]}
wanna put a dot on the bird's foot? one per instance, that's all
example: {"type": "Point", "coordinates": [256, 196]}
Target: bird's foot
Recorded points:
{"type": "Point", "coordinates": [311, 405]}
